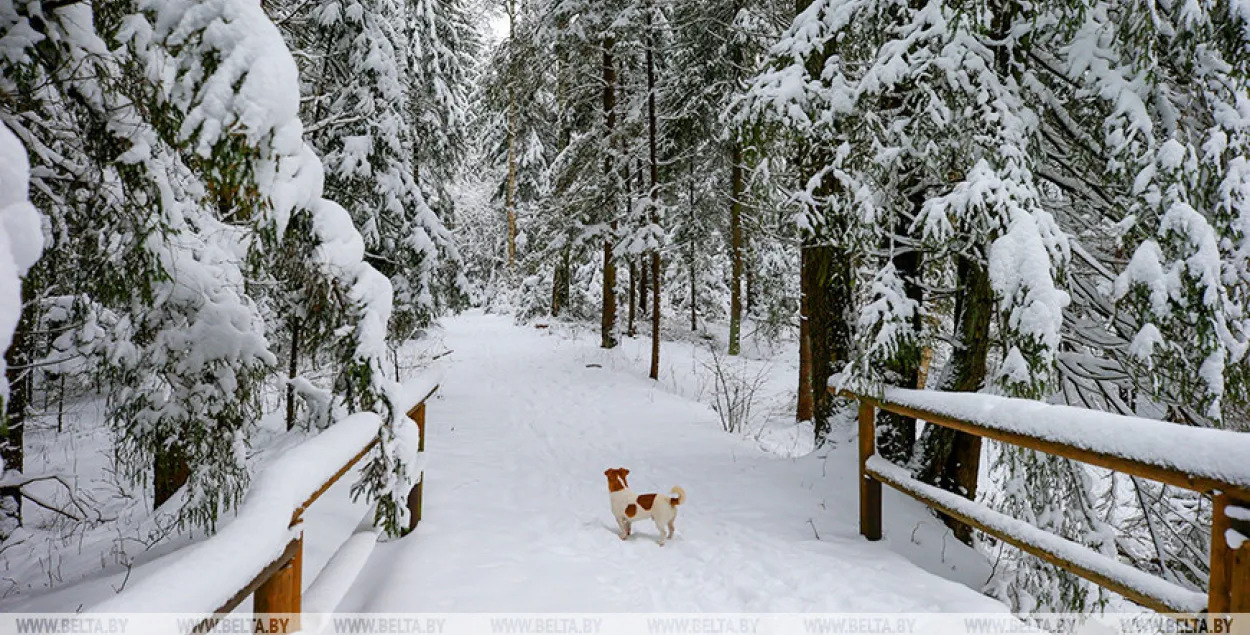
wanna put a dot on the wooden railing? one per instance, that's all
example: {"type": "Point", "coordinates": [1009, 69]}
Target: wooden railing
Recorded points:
{"type": "Point", "coordinates": [1213, 462]}
{"type": "Point", "coordinates": [276, 587]}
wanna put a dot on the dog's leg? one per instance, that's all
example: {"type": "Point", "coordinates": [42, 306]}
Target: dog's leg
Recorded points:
{"type": "Point", "coordinates": [624, 527]}
{"type": "Point", "coordinates": [660, 527]}
{"type": "Point", "coordinates": [670, 527]}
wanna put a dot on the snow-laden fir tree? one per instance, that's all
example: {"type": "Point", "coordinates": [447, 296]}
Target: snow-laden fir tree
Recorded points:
{"type": "Point", "coordinates": [21, 241]}
{"type": "Point", "coordinates": [358, 65]}
{"type": "Point", "coordinates": [165, 212]}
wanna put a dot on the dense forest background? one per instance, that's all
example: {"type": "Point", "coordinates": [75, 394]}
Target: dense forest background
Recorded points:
{"type": "Point", "coordinates": [248, 208]}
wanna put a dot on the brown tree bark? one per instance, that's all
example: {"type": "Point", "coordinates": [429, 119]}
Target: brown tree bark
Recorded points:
{"type": "Point", "coordinates": [806, 410]}
{"type": "Point", "coordinates": [735, 247]}
{"type": "Point", "coordinates": [170, 472]}
{"type": "Point", "coordinates": [608, 326]}
{"type": "Point", "coordinates": [292, 371]}
{"type": "Point", "coordinates": [644, 291]}
{"type": "Point", "coordinates": [951, 459]}
{"type": "Point", "coordinates": [692, 259]}
{"type": "Point", "coordinates": [655, 212]}
{"type": "Point", "coordinates": [510, 193]}
{"type": "Point", "coordinates": [633, 295]}
{"type": "Point", "coordinates": [896, 434]}
{"type": "Point", "coordinates": [830, 273]}
{"type": "Point", "coordinates": [18, 358]}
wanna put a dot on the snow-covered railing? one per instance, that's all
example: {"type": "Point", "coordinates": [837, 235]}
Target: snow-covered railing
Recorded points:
{"type": "Point", "coordinates": [1215, 462]}
{"type": "Point", "coordinates": [260, 553]}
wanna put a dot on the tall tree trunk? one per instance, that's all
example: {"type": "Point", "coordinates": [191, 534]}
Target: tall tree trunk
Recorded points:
{"type": "Point", "coordinates": [292, 370]}
{"type": "Point", "coordinates": [510, 193]}
{"type": "Point", "coordinates": [735, 247]}
{"type": "Point", "coordinates": [555, 290]}
{"type": "Point", "coordinates": [692, 258]}
{"type": "Point", "coordinates": [896, 436]}
{"type": "Point", "coordinates": [748, 269]}
{"type": "Point", "coordinates": [644, 288]}
{"type": "Point", "coordinates": [950, 459]}
{"type": "Point", "coordinates": [830, 273]}
{"type": "Point", "coordinates": [655, 209]}
{"type": "Point", "coordinates": [18, 358]}
{"type": "Point", "coordinates": [608, 325]}
{"type": "Point", "coordinates": [827, 276]}
{"type": "Point", "coordinates": [170, 472]}
{"type": "Point", "coordinates": [633, 291]}
{"type": "Point", "coordinates": [807, 406]}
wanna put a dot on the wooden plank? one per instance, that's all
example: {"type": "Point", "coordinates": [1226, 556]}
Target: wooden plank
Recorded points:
{"type": "Point", "coordinates": [1239, 564]}
{"type": "Point", "coordinates": [1219, 589]}
{"type": "Point", "coordinates": [1240, 601]}
{"type": "Point", "coordinates": [280, 594]}
{"type": "Point", "coordinates": [869, 487]}
{"type": "Point", "coordinates": [412, 412]}
{"type": "Point", "coordinates": [417, 492]}
{"type": "Point", "coordinates": [297, 517]}
{"type": "Point", "coordinates": [1100, 459]}
{"type": "Point", "coordinates": [292, 548]}
{"type": "Point", "coordinates": [1041, 551]}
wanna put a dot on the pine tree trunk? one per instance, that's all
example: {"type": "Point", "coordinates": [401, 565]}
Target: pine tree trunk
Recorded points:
{"type": "Point", "coordinates": [749, 274]}
{"type": "Point", "coordinates": [510, 193]}
{"type": "Point", "coordinates": [896, 434]}
{"type": "Point", "coordinates": [292, 370]}
{"type": "Point", "coordinates": [555, 290]}
{"type": "Point", "coordinates": [735, 248]}
{"type": "Point", "coordinates": [608, 325]}
{"type": "Point", "coordinates": [830, 275]}
{"type": "Point", "coordinates": [692, 259]}
{"type": "Point", "coordinates": [806, 407]}
{"type": "Point", "coordinates": [950, 459]}
{"type": "Point", "coordinates": [633, 291]}
{"type": "Point", "coordinates": [18, 358]}
{"type": "Point", "coordinates": [655, 212]}
{"type": "Point", "coordinates": [170, 472]}
{"type": "Point", "coordinates": [644, 290]}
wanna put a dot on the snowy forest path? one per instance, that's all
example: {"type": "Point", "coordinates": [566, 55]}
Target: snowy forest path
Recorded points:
{"type": "Point", "coordinates": [517, 516]}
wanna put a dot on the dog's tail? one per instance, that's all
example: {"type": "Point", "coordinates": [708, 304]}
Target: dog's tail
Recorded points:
{"type": "Point", "coordinates": [679, 498]}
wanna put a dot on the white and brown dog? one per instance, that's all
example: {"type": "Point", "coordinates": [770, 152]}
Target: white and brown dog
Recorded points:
{"type": "Point", "coordinates": [628, 506]}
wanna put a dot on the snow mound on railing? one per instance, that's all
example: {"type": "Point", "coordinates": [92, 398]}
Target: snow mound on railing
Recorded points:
{"type": "Point", "coordinates": [416, 389]}
{"type": "Point", "coordinates": [206, 575]}
{"type": "Point", "coordinates": [1144, 583]}
{"type": "Point", "coordinates": [1221, 455]}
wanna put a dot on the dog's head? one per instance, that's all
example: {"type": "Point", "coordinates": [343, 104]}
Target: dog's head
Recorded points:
{"type": "Point", "coordinates": [616, 478]}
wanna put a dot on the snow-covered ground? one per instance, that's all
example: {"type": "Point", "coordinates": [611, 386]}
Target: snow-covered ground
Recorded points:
{"type": "Point", "coordinates": [517, 512]}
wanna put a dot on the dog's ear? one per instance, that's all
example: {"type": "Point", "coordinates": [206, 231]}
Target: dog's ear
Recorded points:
{"type": "Point", "coordinates": [624, 472]}
{"type": "Point", "coordinates": [608, 472]}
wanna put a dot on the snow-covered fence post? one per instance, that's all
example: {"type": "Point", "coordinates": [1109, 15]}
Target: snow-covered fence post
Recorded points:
{"type": "Point", "coordinates": [869, 487]}
{"type": "Point", "coordinates": [1219, 597]}
{"type": "Point", "coordinates": [279, 594]}
{"type": "Point", "coordinates": [1229, 589]}
{"type": "Point", "coordinates": [417, 414]}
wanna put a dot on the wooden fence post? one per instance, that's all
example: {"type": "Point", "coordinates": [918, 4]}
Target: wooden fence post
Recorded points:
{"type": "Point", "coordinates": [417, 414]}
{"type": "Point", "coordinates": [280, 594]}
{"type": "Point", "coordinates": [1219, 591]}
{"type": "Point", "coordinates": [869, 487]}
{"type": "Point", "coordinates": [1239, 565]}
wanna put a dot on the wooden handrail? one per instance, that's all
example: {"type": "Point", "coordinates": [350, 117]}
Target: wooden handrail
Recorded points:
{"type": "Point", "coordinates": [1229, 585]}
{"type": "Point", "coordinates": [1110, 461]}
{"type": "Point", "coordinates": [278, 587]}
